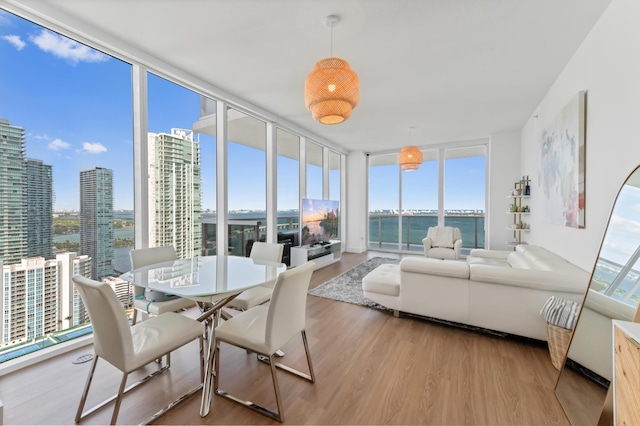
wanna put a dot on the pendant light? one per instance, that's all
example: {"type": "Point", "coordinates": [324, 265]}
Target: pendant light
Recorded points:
{"type": "Point", "coordinates": [332, 89]}
{"type": "Point", "coordinates": [410, 158]}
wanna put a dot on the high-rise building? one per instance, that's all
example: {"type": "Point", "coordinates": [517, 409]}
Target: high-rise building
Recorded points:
{"type": "Point", "coordinates": [38, 296]}
{"type": "Point", "coordinates": [71, 309]}
{"type": "Point", "coordinates": [174, 192]}
{"type": "Point", "coordinates": [96, 220]}
{"type": "Point", "coordinates": [39, 209]}
{"type": "Point", "coordinates": [30, 299]}
{"type": "Point", "coordinates": [122, 289]}
{"type": "Point", "coordinates": [13, 214]}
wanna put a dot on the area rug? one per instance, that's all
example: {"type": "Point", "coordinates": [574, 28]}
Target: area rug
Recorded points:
{"type": "Point", "coordinates": [348, 286]}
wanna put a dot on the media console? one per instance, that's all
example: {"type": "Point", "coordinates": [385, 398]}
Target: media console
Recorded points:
{"type": "Point", "coordinates": [322, 254]}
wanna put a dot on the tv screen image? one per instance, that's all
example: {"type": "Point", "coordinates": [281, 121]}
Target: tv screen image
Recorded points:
{"type": "Point", "coordinates": [320, 221]}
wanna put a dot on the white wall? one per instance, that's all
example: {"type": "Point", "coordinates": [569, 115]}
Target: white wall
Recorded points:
{"type": "Point", "coordinates": [607, 66]}
{"type": "Point", "coordinates": [503, 169]}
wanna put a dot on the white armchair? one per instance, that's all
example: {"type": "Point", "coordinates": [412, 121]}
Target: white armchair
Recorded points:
{"type": "Point", "coordinates": [443, 242]}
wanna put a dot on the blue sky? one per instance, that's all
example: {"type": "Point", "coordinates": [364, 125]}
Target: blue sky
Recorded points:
{"type": "Point", "coordinates": [75, 106]}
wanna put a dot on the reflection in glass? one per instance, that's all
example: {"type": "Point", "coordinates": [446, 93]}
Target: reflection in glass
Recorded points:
{"type": "Point", "coordinates": [613, 294]}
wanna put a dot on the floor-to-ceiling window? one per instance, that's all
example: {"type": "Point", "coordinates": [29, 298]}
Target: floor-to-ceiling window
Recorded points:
{"type": "Point", "coordinates": [314, 170]}
{"type": "Point", "coordinates": [288, 191]}
{"type": "Point", "coordinates": [447, 189]}
{"type": "Point", "coordinates": [384, 202]}
{"type": "Point", "coordinates": [465, 193]}
{"type": "Point", "coordinates": [65, 112]}
{"type": "Point", "coordinates": [335, 179]}
{"type": "Point", "coordinates": [247, 181]}
{"type": "Point", "coordinates": [419, 202]}
{"type": "Point", "coordinates": [181, 166]}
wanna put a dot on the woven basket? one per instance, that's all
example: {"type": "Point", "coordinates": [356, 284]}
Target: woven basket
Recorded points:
{"type": "Point", "coordinates": [558, 339]}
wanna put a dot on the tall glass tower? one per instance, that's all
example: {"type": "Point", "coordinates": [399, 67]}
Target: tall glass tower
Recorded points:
{"type": "Point", "coordinates": [96, 220]}
{"type": "Point", "coordinates": [13, 214]}
{"type": "Point", "coordinates": [39, 209]}
{"type": "Point", "coordinates": [174, 192]}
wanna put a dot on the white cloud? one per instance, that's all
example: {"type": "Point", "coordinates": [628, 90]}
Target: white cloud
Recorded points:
{"type": "Point", "coordinates": [5, 18]}
{"type": "Point", "coordinates": [93, 148]}
{"type": "Point", "coordinates": [43, 137]}
{"type": "Point", "coordinates": [15, 40]}
{"type": "Point", "coordinates": [58, 144]}
{"type": "Point", "coordinates": [66, 48]}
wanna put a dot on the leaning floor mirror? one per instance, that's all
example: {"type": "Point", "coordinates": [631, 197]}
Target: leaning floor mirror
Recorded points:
{"type": "Point", "coordinates": [613, 293]}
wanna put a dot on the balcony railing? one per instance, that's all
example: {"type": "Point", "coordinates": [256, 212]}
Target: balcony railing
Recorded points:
{"type": "Point", "coordinates": [243, 232]}
{"type": "Point", "coordinates": [383, 231]}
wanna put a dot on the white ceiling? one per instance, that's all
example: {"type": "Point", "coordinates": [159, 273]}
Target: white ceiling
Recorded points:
{"type": "Point", "coordinates": [451, 69]}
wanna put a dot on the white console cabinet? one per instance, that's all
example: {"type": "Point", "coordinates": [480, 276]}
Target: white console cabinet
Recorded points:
{"type": "Point", "coordinates": [322, 254]}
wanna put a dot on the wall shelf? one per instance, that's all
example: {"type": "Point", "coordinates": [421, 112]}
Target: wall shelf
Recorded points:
{"type": "Point", "coordinates": [520, 193]}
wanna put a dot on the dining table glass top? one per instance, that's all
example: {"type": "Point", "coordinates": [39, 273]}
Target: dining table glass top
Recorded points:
{"type": "Point", "coordinates": [205, 276]}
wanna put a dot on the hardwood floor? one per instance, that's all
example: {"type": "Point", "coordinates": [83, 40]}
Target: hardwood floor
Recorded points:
{"type": "Point", "coordinates": [371, 368]}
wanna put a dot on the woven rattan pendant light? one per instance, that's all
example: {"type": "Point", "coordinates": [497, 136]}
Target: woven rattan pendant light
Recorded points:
{"type": "Point", "coordinates": [332, 89]}
{"type": "Point", "coordinates": [410, 158]}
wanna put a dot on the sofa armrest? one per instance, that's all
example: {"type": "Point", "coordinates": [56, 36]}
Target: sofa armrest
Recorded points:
{"type": "Point", "coordinates": [427, 244]}
{"type": "Point", "coordinates": [558, 281]}
{"type": "Point", "coordinates": [457, 245]}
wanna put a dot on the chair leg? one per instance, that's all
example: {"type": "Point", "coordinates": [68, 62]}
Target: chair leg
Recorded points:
{"type": "Point", "coordinates": [135, 317]}
{"type": "Point", "coordinates": [216, 370]}
{"type": "Point", "coordinates": [279, 416]}
{"type": "Point", "coordinates": [116, 409]}
{"type": "Point", "coordinates": [310, 377]}
{"type": "Point", "coordinates": [201, 342]}
{"type": "Point", "coordinates": [85, 392]}
{"type": "Point", "coordinates": [276, 388]}
{"type": "Point", "coordinates": [306, 350]}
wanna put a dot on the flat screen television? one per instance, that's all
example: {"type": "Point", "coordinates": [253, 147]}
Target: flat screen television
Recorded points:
{"type": "Point", "coordinates": [320, 221]}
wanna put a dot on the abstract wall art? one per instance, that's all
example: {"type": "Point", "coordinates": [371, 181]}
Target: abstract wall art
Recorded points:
{"type": "Point", "coordinates": [561, 174]}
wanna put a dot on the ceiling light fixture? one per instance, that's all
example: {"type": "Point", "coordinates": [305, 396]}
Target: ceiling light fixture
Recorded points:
{"type": "Point", "coordinates": [332, 89]}
{"type": "Point", "coordinates": [410, 158]}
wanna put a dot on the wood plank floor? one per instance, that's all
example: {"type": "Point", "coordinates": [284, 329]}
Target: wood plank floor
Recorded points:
{"type": "Point", "coordinates": [371, 368]}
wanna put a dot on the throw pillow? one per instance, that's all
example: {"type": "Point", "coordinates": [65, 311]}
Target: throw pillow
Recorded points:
{"type": "Point", "coordinates": [560, 312]}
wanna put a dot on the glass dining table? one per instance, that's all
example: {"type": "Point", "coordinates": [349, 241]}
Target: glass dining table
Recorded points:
{"type": "Point", "coordinates": [212, 281]}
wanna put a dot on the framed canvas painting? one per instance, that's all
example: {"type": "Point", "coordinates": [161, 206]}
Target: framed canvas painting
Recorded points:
{"type": "Point", "coordinates": [561, 174]}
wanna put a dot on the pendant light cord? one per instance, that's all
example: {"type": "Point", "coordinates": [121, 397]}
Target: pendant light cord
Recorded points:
{"type": "Point", "coordinates": [331, 56]}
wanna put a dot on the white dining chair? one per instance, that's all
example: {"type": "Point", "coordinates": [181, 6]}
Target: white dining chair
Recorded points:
{"type": "Point", "coordinates": [265, 252]}
{"type": "Point", "coordinates": [128, 348]}
{"type": "Point", "coordinates": [149, 256]}
{"type": "Point", "coordinates": [265, 329]}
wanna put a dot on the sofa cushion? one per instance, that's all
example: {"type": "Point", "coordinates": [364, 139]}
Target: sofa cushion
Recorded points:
{"type": "Point", "coordinates": [445, 268]}
{"type": "Point", "coordinates": [385, 279]}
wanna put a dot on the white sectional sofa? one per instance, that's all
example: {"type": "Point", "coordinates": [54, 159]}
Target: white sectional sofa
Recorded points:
{"type": "Point", "coordinates": [496, 290]}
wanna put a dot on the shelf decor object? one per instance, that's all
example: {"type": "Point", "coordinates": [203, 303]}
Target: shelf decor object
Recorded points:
{"type": "Point", "coordinates": [410, 158]}
{"type": "Point", "coordinates": [562, 166]}
{"type": "Point", "coordinates": [332, 89]}
{"type": "Point", "coordinates": [518, 208]}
